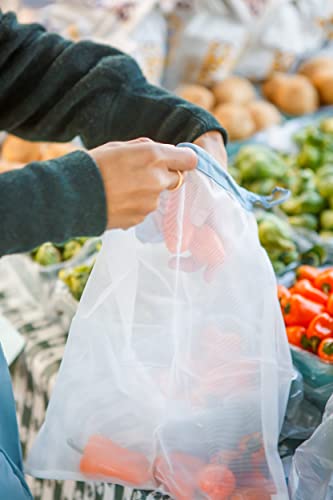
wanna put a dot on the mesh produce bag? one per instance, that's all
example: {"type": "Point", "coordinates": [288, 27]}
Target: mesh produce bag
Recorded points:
{"type": "Point", "coordinates": [177, 369]}
{"type": "Point", "coordinates": [312, 466]}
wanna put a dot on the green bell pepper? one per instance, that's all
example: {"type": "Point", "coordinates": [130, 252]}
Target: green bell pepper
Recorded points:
{"type": "Point", "coordinates": [326, 219]}
{"type": "Point", "coordinates": [315, 256]}
{"type": "Point", "coordinates": [324, 180]}
{"type": "Point", "coordinates": [289, 257]}
{"type": "Point", "coordinates": [309, 157]}
{"type": "Point", "coordinates": [262, 186]}
{"type": "Point", "coordinates": [306, 221]}
{"type": "Point", "coordinates": [308, 202]}
{"type": "Point", "coordinates": [275, 233]}
{"type": "Point", "coordinates": [259, 162]}
{"type": "Point", "coordinates": [279, 267]}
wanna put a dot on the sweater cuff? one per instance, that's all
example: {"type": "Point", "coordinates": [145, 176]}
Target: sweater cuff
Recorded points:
{"type": "Point", "coordinates": [84, 189]}
{"type": "Point", "coordinates": [83, 210]}
{"type": "Point", "coordinates": [195, 130]}
{"type": "Point", "coordinates": [191, 123]}
{"type": "Point", "coordinates": [55, 200]}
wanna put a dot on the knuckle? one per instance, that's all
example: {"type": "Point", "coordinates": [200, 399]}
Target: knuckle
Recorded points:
{"type": "Point", "coordinates": [155, 153]}
{"type": "Point", "coordinates": [144, 139]}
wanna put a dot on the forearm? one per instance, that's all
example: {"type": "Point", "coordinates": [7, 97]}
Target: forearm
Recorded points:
{"type": "Point", "coordinates": [51, 201]}
{"type": "Point", "coordinates": [52, 89]}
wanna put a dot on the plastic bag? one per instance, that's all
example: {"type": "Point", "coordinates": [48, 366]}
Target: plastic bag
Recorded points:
{"type": "Point", "coordinates": [285, 31]}
{"type": "Point", "coordinates": [317, 375]}
{"type": "Point", "coordinates": [302, 417]}
{"type": "Point", "coordinates": [177, 369]}
{"type": "Point", "coordinates": [150, 38]}
{"type": "Point", "coordinates": [136, 27]}
{"type": "Point", "coordinates": [311, 474]}
{"type": "Point", "coordinates": [208, 47]}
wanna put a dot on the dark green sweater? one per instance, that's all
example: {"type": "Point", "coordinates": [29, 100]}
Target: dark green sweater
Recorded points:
{"type": "Point", "coordinates": [53, 89]}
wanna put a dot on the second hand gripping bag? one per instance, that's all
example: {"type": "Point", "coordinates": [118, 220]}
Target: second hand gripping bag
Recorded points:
{"type": "Point", "coordinates": [177, 369]}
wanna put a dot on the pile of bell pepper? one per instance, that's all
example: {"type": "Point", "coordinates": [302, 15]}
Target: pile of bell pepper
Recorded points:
{"type": "Point", "coordinates": [307, 173]}
{"type": "Point", "coordinates": [307, 309]}
{"type": "Point", "coordinates": [280, 242]}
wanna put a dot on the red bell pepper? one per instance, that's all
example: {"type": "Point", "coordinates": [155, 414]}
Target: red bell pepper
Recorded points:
{"type": "Point", "coordinates": [321, 327]}
{"type": "Point", "coordinates": [307, 273]}
{"type": "Point", "coordinates": [329, 306]}
{"type": "Point", "coordinates": [102, 458]}
{"type": "Point", "coordinates": [295, 334]}
{"type": "Point", "coordinates": [324, 281]}
{"type": "Point", "coordinates": [325, 350]}
{"type": "Point", "coordinates": [283, 294]}
{"type": "Point", "coordinates": [299, 311]}
{"type": "Point", "coordinates": [307, 290]}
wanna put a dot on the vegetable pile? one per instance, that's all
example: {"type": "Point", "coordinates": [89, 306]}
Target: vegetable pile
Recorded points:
{"type": "Point", "coordinates": [279, 239]}
{"type": "Point", "coordinates": [308, 174]}
{"type": "Point", "coordinates": [307, 308]}
{"type": "Point", "coordinates": [50, 254]}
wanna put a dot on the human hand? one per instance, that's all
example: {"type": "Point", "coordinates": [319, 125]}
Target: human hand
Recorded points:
{"type": "Point", "coordinates": [212, 142]}
{"type": "Point", "coordinates": [135, 173]}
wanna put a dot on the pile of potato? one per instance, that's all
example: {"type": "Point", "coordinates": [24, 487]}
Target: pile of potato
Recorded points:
{"type": "Point", "coordinates": [235, 104]}
{"type": "Point", "coordinates": [301, 93]}
{"type": "Point", "coordinates": [16, 152]}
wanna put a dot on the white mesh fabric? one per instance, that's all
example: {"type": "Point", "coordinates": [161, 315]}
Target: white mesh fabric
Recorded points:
{"type": "Point", "coordinates": [177, 353]}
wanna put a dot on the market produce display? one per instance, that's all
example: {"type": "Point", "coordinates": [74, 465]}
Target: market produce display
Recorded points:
{"type": "Point", "coordinates": [235, 102]}
{"type": "Point", "coordinates": [307, 308]}
{"type": "Point", "coordinates": [307, 173]}
{"type": "Point", "coordinates": [205, 50]}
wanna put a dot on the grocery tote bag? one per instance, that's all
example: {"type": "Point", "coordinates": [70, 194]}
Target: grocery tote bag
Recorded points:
{"type": "Point", "coordinates": [177, 370]}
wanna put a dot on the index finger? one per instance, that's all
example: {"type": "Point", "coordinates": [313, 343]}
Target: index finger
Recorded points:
{"type": "Point", "coordinates": [182, 159]}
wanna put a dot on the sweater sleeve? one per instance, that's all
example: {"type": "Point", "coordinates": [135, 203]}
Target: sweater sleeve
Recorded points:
{"type": "Point", "coordinates": [53, 89]}
{"type": "Point", "coordinates": [51, 201]}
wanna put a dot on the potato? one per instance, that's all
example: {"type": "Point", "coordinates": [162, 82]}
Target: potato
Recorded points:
{"type": "Point", "coordinates": [236, 119]}
{"type": "Point", "coordinates": [264, 114]}
{"type": "Point", "coordinates": [312, 66]}
{"type": "Point", "coordinates": [323, 81]}
{"type": "Point", "coordinates": [197, 94]}
{"type": "Point", "coordinates": [234, 89]}
{"type": "Point", "coordinates": [17, 150]}
{"type": "Point", "coordinates": [295, 95]}
{"type": "Point", "coordinates": [269, 86]}
{"type": "Point", "coordinates": [55, 150]}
